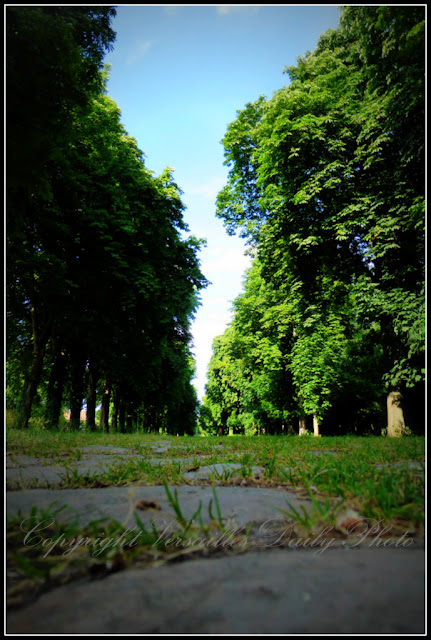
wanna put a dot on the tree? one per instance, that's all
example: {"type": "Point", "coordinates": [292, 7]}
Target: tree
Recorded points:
{"type": "Point", "coordinates": [63, 47]}
{"type": "Point", "coordinates": [100, 278]}
{"type": "Point", "coordinates": [53, 59]}
{"type": "Point", "coordinates": [324, 184]}
{"type": "Point", "coordinates": [271, 369]}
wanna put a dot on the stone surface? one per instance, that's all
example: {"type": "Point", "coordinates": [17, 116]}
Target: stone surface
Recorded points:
{"type": "Point", "coordinates": [367, 587]}
{"type": "Point", "coordinates": [98, 448]}
{"type": "Point", "coordinates": [36, 472]}
{"type": "Point", "coordinates": [241, 504]}
{"type": "Point", "coordinates": [25, 471]}
{"type": "Point", "coordinates": [360, 591]}
{"type": "Point", "coordinates": [222, 470]}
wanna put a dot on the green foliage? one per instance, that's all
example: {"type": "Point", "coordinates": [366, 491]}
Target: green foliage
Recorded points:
{"type": "Point", "coordinates": [102, 284]}
{"type": "Point", "coordinates": [54, 55]}
{"type": "Point", "coordinates": [327, 184]}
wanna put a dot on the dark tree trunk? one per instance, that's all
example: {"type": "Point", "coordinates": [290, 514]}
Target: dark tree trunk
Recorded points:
{"type": "Point", "coordinates": [122, 415]}
{"type": "Point", "coordinates": [115, 408]}
{"type": "Point", "coordinates": [91, 398]}
{"type": "Point", "coordinates": [104, 414]}
{"type": "Point", "coordinates": [55, 389]}
{"type": "Point", "coordinates": [77, 395]}
{"type": "Point", "coordinates": [130, 417]}
{"type": "Point", "coordinates": [41, 336]}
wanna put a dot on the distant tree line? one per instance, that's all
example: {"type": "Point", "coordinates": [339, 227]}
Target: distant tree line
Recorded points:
{"type": "Point", "coordinates": [327, 184]}
{"type": "Point", "coordinates": [101, 284]}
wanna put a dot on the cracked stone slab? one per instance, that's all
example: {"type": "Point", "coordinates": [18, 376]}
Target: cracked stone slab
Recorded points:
{"type": "Point", "coordinates": [243, 505]}
{"type": "Point", "coordinates": [220, 470]}
{"type": "Point", "coordinates": [96, 448]}
{"type": "Point", "coordinates": [361, 591]}
{"type": "Point", "coordinates": [36, 472]}
{"type": "Point", "coordinates": [13, 462]}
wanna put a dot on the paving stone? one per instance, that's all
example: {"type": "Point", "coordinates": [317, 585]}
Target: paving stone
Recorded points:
{"type": "Point", "coordinates": [25, 471]}
{"type": "Point", "coordinates": [37, 473]}
{"type": "Point", "coordinates": [34, 475]}
{"type": "Point", "coordinates": [13, 462]}
{"type": "Point", "coordinates": [360, 589]}
{"type": "Point", "coordinates": [96, 448]}
{"type": "Point", "coordinates": [220, 470]}
{"type": "Point", "coordinates": [240, 504]}
{"type": "Point", "coordinates": [279, 591]}
{"type": "Point", "coordinates": [160, 449]}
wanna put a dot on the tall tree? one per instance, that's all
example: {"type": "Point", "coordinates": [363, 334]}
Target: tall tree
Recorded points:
{"type": "Point", "coordinates": [53, 61]}
{"type": "Point", "coordinates": [119, 282]}
{"type": "Point", "coordinates": [269, 371]}
{"type": "Point", "coordinates": [324, 182]}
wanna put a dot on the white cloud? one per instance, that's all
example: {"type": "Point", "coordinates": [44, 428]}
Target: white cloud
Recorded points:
{"type": "Point", "coordinates": [138, 51]}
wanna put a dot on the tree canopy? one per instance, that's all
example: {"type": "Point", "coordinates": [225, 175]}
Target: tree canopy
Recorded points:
{"type": "Point", "coordinates": [326, 183]}
{"type": "Point", "coordinates": [103, 277]}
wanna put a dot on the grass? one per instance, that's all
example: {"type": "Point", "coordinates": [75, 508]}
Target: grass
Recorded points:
{"type": "Point", "coordinates": [346, 466]}
{"type": "Point", "coordinates": [349, 472]}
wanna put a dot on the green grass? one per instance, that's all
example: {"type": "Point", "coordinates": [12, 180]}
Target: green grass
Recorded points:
{"type": "Point", "coordinates": [347, 467]}
{"type": "Point", "coordinates": [330, 473]}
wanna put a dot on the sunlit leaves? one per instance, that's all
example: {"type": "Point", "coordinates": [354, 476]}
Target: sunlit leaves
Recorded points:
{"type": "Point", "coordinates": [330, 170]}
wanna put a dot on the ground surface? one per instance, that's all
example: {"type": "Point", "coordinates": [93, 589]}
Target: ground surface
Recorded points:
{"type": "Point", "coordinates": [239, 566]}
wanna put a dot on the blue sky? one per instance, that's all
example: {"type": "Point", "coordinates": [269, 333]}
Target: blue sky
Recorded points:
{"type": "Point", "coordinates": [179, 74]}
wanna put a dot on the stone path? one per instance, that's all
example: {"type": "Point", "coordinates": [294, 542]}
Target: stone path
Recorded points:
{"type": "Point", "coordinates": [366, 586]}
{"type": "Point", "coordinates": [240, 504]}
{"type": "Point", "coordinates": [362, 591]}
{"type": "Point", "coordinates": [26, 471]}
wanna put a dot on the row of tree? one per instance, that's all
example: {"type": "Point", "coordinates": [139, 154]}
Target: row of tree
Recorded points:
{"type": "Point", "coordinates": [102, 282]}
{"type": "Point", "coordinates": [327, 185]}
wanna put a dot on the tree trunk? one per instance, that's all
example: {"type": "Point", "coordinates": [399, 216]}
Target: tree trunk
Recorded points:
{"type": "Point", "coordinates": [91, 398]}
{"type": "Point", "coordinates": [106, 398]}
{"type": "Point", "coordinates": [315, 426]}
{"type": "Point", "coordinates": [30, 389]}
{"type": "Point", "coordinates": [55, 390]}
{"type": "Point", "coordinates": [77, 395]}
{"type": "Point", "coordinates": [302, 426]}
{"type": "Point", "coordinates": [396, 422]}
{"type": "Point", "coordinates": [122, 414]}
{"type": "Point", "coordinates": [115, 408]}
{"type": "Point", "coordinates": [41, 336]}
{"type": "Point", "coordinates": [129, 420]}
